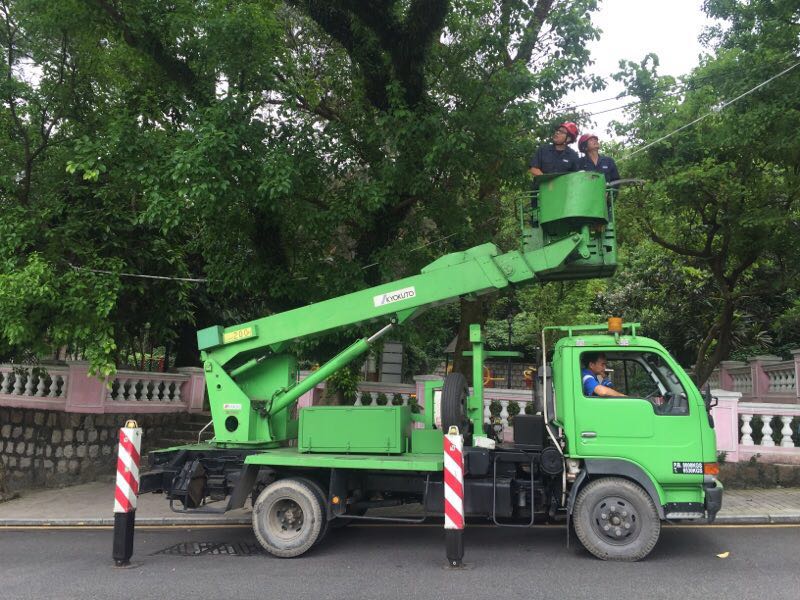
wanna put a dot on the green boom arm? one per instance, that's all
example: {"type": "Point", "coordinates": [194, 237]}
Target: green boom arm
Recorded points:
{"type": "Point", "coordinates": [573, 242]}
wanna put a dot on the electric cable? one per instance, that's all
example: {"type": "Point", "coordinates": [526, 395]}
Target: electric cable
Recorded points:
{"type": "Point", "coordinates": [711, 112]}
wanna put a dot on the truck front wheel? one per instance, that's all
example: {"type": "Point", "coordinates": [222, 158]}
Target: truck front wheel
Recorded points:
{"type": "Point", "coordinates": [288, 517]}
{"type": "Point", "coordinates": [615, 519]}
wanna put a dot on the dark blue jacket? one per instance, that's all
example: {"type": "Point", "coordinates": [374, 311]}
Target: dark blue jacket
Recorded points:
{"type": "Point", "coordinates": [605, 165]}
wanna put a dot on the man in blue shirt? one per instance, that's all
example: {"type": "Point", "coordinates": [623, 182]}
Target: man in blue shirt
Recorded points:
{"type": "Point", "coordinates": [556, 157]}
{"type": "Point", "coordinates": [594, 380]}
{"type": "Point", "coordinates": [593, 161]}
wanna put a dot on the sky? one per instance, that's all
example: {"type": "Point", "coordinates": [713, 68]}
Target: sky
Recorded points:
{"type": "Point", "coordinates": [631, 29]}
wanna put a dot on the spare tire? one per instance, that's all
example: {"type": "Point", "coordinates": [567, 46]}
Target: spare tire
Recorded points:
{"type": "Point", "coordinates": [454, 403]}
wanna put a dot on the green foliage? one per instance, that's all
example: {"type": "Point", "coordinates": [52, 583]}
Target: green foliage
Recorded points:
{"type": "Point", "coordinates": [366, 399]}
{"type": "Point", "coordinates": [397, 399]}
{"type": "Point", "coordinates": [722, 195]}
{"type": "Point", "coordinates": [345, 383]}
{"type": "Point", "coordinates": [495, 408]}
{"type": "Point", "coordinates": [247, 143]}
{"type": "Point", "coordinates": [381, 399]}
{"type": "Point", "coordinates": [513, 411]}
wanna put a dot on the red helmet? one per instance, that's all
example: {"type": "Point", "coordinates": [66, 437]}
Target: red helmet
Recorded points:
{"type": "Point", "coordinates": [585, 138]}
{"type": "Point", "coordinates": [572, 130]}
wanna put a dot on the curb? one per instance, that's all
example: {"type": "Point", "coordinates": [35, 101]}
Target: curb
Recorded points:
{"type": "Point", "coordinates": [729, 519]}
{"type": "Point", "coordinates": [744, 518]}
{"type": "Point", "coordinates": [106, 522]}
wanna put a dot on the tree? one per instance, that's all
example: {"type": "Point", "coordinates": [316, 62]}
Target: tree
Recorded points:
{"type": "Point", "coordinates": [285, 152]}
{"type": "Point", "coordinates": [722, 194]}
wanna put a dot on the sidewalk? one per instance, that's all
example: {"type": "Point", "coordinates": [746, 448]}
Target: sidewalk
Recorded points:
{"type": "Point", "coordinates": [92, 504]}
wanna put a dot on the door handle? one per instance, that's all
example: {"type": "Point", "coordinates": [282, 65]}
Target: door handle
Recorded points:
{"type": "Point", "coordinates": [588, 434]}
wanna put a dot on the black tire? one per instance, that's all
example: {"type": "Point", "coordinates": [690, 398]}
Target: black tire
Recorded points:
{"type": "Point", "coordinates": [615, 519]}
{"type": "Point", "coordinates": [287, 518]}
{"type": "Point", "coordinates": [322, 496]}
{"type": "Point", "coordinates": [454, 403]}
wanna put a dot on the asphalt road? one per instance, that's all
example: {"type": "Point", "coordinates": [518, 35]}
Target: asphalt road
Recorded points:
{"type": "Point", "coordinates": [394, 562]}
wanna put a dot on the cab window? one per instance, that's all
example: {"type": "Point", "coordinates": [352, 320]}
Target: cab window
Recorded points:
{"type": "Point", "coordinates": [646, 375]}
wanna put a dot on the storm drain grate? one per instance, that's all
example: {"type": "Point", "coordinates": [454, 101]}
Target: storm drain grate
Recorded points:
{"type": "Point", "coordinates": [213, 548]}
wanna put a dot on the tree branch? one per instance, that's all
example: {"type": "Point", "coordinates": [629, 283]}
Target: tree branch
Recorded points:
{"type": "Point", "coordinates": [532, 30]}
{"type": "Point", "coordinates": [147, 43]}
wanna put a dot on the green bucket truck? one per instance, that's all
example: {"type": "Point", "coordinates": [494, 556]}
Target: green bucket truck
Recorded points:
{"type": "Point", "coordinates": [614, 468]}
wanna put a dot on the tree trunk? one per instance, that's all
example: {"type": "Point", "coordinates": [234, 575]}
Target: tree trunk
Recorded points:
{"type": "Point", "coordinates": [722, 334]}
{"type": "Point", "coordinates": [472, 311]}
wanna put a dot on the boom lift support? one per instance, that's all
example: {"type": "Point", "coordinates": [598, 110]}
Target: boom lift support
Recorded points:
{"type": "Point", "coordinates": [252, 375]}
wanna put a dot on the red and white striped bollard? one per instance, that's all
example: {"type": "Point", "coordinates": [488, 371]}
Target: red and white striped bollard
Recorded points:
{"type": "Point", "coordinates": [454, 496]}
{"type": "Point", "coordinates": [127, 489]}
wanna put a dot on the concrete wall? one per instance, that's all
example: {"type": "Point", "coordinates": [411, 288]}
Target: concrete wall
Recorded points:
{"type": "Point", "coordinates": [44, 448]}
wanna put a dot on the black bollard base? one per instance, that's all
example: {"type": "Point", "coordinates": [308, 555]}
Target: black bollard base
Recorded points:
{"type": "Point", "coordinates": [123, 538]}
{"type": "Point", "coordinates": [454, 546]}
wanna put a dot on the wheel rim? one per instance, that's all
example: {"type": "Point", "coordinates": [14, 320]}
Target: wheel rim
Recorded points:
{"type": "Point", "coordinates": [285, 519]}
{"type": "Point", "coordinates": [615, 520]}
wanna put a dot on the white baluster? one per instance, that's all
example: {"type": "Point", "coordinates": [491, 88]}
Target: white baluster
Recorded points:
{"type": "Point", "coordinates": [133, 390]}
{"type": "Point", "coordinates": [11, 380]}
{"type": "Point", "coordinates": [19, 383]}
{"type": "Point", "coordinates": [40, 385]}
{"type": "Point", "coordinates": [487, 414]}
{"type": "Point", "coordinates": [54, 381]}
{"type": "Point", "coordinates": [767, 431]}
{"type": "Point", "coordinates": [116, 394]}
{"type": "Point", "coordinates": [4, 381]}
{"type": "Point", "coordinates": [176, 392]}
{"type": "Point", "coordinates": [504, 412]}
{"type": "Point", "coordinates": [373, 399]}
{"type": "Point", "coordinates": [747, 440]}
{"type": "Point", "coordinates": [405, 400]}
{"type": "Point", "coordinates": [29, 383]}
{"type": "Point", "coordinates": [786, 433]}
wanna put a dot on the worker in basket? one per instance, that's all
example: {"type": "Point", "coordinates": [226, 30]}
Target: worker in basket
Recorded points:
{"type": "Point", "coordinates": [592, 160]}
{"type": "Point", "coordinates": [555, 157]}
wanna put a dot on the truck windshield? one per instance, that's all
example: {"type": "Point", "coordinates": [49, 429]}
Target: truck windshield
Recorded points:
{"type": "Point", "coordinates": [647, 375]}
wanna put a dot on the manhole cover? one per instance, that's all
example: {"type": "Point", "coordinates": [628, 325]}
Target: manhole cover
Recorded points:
{"type": "Point", "coordinates": [206, 548]}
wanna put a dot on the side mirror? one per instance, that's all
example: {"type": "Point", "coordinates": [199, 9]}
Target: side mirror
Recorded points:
{"type": "Point", "coordinates": [710, 401]}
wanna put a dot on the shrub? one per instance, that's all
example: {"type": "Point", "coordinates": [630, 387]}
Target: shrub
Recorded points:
{"type": "Point", "coordinates": [495, 408]}
{"type": "Point", "coordinates": [381, 399]}
{"type": "Point", "coordinates": [513, 411]}
{"type": "Point", "coordinates": [366, 398]}
{"type": "Point", "coordinates": [397, 399]}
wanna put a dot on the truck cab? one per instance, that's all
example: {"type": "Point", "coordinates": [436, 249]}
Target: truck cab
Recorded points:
{"type": "Point", "coordinates": [659, 436]}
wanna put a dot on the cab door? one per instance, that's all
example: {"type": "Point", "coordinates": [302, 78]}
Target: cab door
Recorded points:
{"type": "Point", "coordinates": [655, 426]}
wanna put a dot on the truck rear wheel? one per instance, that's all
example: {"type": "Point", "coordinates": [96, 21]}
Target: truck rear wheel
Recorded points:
{"type": "Point", "coordinates": [615, 519]}
{"type": "Point", "coordinates": [288, 518]}
{"type": "Point", "coordinates": [323, 501]}
{"type": "Point", "coordinates": [454, 403]}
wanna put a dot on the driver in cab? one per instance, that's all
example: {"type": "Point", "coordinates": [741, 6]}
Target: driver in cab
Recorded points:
{"type": "Point", "coordinates": [594, 379]}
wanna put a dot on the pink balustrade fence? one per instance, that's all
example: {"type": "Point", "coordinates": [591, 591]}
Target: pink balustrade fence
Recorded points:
{"type": "Point", "coordinates": [759, 409]}
{"type": "Point", "coordinates": [758, 412]}
{"type": "Point", "coordinates": [70, 388]}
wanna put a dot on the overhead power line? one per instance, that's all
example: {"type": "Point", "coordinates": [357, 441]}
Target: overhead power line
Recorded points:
{"type": "Point", "coordinates": [142, 276]}
{"type": "Point", "coordinates": [711, 112]}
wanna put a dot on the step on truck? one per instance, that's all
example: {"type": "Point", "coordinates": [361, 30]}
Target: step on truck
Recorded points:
{"type": "Point", "coordinates": [613, 469]}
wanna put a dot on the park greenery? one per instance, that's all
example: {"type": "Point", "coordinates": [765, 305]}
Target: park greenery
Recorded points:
{"type": "Point", "coordinates": [263, 154]}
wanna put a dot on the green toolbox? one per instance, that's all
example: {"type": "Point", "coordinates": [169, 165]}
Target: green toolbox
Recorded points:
{"type": "Point", "coordinates": [357, 429]}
